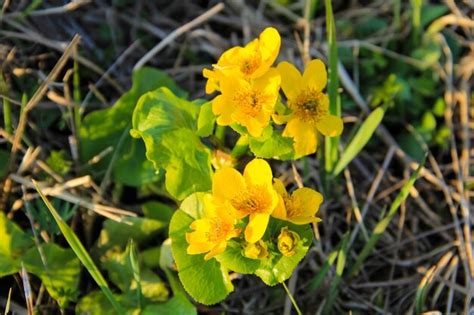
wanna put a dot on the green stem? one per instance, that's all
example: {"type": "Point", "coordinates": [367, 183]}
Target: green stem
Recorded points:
{"type": "Point", "coordinates": [292, 299]}
{"type": "Point", "coordinates": [220, 133]}
{"type": "Point", "coordinates": [7, 116]}
{"type": "Point", "coordinates": [241, 146]}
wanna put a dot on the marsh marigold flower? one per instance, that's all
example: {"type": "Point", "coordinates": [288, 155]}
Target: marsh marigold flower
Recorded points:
{"type": "Point", "coordinates": [211, 232]}
{"type": "Point", "coordinates": [288, 242]}
{"type": "Point", "coordinates": [249, 62]}
{"type": "Point", "coordinates": [300, 207]}
{"type": "Point", "coordinates": [251, 194]}
{"type": "Point", "coordinates": [249, 103]}
{"type": "Point", "coordinates": [309, 105]}
{"type": "Point", "coordinates": [258, 250]}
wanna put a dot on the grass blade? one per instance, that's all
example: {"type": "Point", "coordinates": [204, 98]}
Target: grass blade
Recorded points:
{"type": "Point", "coordinates": [134, 263]}
{"type": "Point", "coordinates": [340, 265]}
{"type": "Point", "coordinates": [81, 252]}
{"type": "Point", "coordinates": [383, 224]}
{"type": "Point", "coordinates": [361, 138]}
{"type": "Point", "coordinates": [316, 281]}
{"type": "Point", "coordinates": [331, 144]}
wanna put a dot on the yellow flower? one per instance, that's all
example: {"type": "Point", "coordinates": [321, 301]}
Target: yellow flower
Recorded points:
{"type": "Point", "coordinates": [288, 242]}
{"type": "Point", "coordinates": [249, 62]}
{"type": "Point", "coordinates": [299, 208]}
{"type": "Point", "coordinates": [249, 195]}
{"type": "Point", "coordinates": [249, 103]}
{"type": "Point", "coordinates": [258, 250]}
{"type": "Point", "coordinates": [212, 232]}
{"type": "Point", "coordinates": [309, 105]}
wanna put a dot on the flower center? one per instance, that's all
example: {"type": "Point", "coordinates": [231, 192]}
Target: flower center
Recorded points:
{"type": "Point", "coordinates": [254, 200]}
{"type": "Point", "coordinates": [292, 206]}
{"type": "Point", "coordinates": [249, 64]}
{"type": "Point", "coordinates": [250, 101]}
{"type": "Point", "coordinates": [308, 106]}
{"type": "Point", "coordinates": [218, 231]}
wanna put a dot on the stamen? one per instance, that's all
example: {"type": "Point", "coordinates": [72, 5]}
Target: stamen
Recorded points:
{"type": "Point", "coordinates": [308, 106]}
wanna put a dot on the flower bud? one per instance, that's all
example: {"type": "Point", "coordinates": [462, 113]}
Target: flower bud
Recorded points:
{"type": "Point", "coordinates": [258, 250]}
{"type": "Point", "coordinates": [288, 242]}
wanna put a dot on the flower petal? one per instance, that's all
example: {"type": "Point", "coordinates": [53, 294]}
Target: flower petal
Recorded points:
{"type": "Point", "coordinates": [279, 187]}
{"type": "Point", "coordinates": [270, 42]}
{"type": "Point", "coordinates": [227, 183]}
{"type": "Point", "coordinates": [256, 227]}
{"type": "Point", "coordinates": [219, 248]}
{"type": "Point", "coordinates": [304, 220]}
{"type": "Point", "coordinates": [291, 79]}
{"type": "Point", "coordinates": [304, 136]}
{"type": "Point", "coordinates": [280, 210]}
{"type": "Point", "coordinates": [315, 75]}
{"type": "Point", "coordinates": [223, 109]}
{"type": "Point", "coordinates": [198, 248]}
{"type": "Point", "coordinates": [309, 201]}
{"type": "Point", "coordinates": [330, 126]}
{"type": "Point", "coordinates": [201, 225]}
{"type": "Point", "coordinates": [258, 172]}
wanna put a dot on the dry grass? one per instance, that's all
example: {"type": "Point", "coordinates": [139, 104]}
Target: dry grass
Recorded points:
{"type": "Point", "coordinates": [429, 243]}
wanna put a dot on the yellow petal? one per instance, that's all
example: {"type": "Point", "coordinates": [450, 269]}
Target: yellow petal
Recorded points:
{"type": "Point", "coordinates": [223, 109]}
{"type": "Point", "coordinates": [198, 248]}
{"type": "Point", "coordinates": [304, 220]}
{"type": "Point", "coordinates": [279, 187]}
{"type": "Point", "coordinates": [216, 250]}
{"type": "Point", "coordinates": [291, 79]}
{"type": "Point", "coordinates": [201, 225]}
{"type": "Point", "coordinates": [330, 126]}
{"type": "Point", "coordinates": [309, 201]}
{"type": "Point", "coordinates": [280, 210]}
{"type": "Point", "coordinates": [196, 237]}
{"type": "Point", "coordinates": [258, 172]}
{"type": "Point", "coordinates": [209, 206]}
{"type": "Point", "coordinates": [212, 83]}
{"type": "Point", "coordinates": [281, 119]}
{"type": "Point", "coordinates": [227, 183]}
{"type": "Point", "coordinates": [254, 127]}
{"type": "Point", "coordinates": [269, 83]}
{"type": "Point", "coordinates": [304, 136]}
{"type": "Point", "coordinates": [270, 42]}
{"type": "Point", "coordinates": [256, 227]}
{"type": "Point", "coordinates": [315, 75]}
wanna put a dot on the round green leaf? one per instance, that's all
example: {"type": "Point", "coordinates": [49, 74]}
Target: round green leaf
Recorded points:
{"type": "Point", "coordinates": [206, 281]}
{"type": "Point", "coordinates": [278, 268]}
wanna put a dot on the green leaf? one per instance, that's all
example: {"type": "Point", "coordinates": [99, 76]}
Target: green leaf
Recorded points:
{"type": "Point", "coordinates": [14, 243]}
{"type": "Point", "coordinates": [59, 162]}
{"type": "Point", "coordinates": [206, 281]}
{"type": "Point", "coordinates": [206, 120]}
{"type": "Point", "coordinates": [167, 125]}
{"type": "Point", "coordinates": [233, 260]}
{"type": "Point", "coordinates": [278, 268]}
{"type": "Point", "coordinates": [178, 305]}
{"type": "Point", "coordinates": [119, 233]}
{"type": "Point", "coordinates": [157, 211]}
{"type": "Point", "coordinates": [361, 138]}
{"type": "Point", "coordinates": [81, 253]}
{"type": "Point", "coordinates": [60, 273]}
{"type": "Point", "coordinates": [103, 128]}
{"type": "Point", "coordinates": [274, 146]}
{"type": "Point", "coordinates": [96, 303]}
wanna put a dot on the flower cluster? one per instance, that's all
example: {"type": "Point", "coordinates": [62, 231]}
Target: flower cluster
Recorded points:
{"type": "Point", "coordinates": [247, 202]}
{"type": "Point", "coordinates": [249, 90]}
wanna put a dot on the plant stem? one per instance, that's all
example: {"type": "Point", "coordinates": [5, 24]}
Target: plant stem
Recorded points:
{"type": "Point", "coordinates": [292, 299]}
{"type": "Point", "coordinates": [241, 146]}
